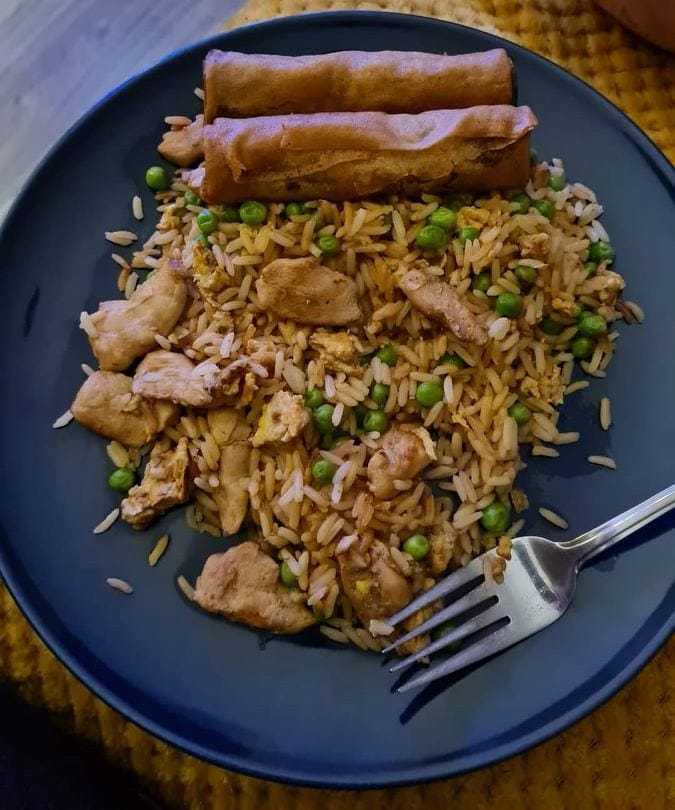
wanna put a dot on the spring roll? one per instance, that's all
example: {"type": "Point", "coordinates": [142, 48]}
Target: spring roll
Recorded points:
{"type": "Point", "coordinates": [343, 156]}
{"type": "Point", "coordinates": [237, 85]}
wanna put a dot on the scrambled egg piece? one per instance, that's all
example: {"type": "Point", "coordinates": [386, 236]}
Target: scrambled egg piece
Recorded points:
{"type": "Point", "coordinates": [283, 418]}
{"type": "Point", "coordinates": [209, 277]}
{"type": "Point", "coordinates": [338, 349]}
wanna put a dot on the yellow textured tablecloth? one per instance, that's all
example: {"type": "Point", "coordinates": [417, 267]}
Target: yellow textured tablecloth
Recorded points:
{"type": "Point", "coordinates": [622, 757]}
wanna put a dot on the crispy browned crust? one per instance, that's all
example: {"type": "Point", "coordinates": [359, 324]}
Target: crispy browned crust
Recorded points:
{"type": "Point", "coordinates": [341, 156]}
{"type": "Point", "coordinates": [237, 85]}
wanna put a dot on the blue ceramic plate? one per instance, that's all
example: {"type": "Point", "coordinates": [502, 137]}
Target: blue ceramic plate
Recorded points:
{"type": "Point", "coordinates": [298, 709]}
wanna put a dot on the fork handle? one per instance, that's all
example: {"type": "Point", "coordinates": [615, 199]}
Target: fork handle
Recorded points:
{"type": "Point", "coordinates": [596, 540]}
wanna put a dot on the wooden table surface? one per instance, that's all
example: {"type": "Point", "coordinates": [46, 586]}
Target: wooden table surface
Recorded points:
{"type": "Point", "coordinates": [59, 57]}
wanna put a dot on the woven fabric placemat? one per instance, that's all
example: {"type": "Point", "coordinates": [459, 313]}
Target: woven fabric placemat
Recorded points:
{"type": "Point", "coordinates": [621, 757]}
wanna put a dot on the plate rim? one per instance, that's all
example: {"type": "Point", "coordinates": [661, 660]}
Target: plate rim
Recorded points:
{"type": "Point", "coordinates": [71, 659]}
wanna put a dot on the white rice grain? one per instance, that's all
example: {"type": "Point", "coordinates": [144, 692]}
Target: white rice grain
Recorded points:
{"type": "Point", "coordinates": [63, 420]}
{"type": "Point", "coordinates": [163, 342]}
{"type": "Point", "coordinates": [123, 238]}
{"type": "Point", "coordinates": [137, 207]}
{"type": "Point", "coordinates": [107, 522]}
{"type": "Point", "coordinates": [338, 413]}
{"type": "Point", "coordinates": [345, 543]}
{"type": "Point", "coordinates": [603, 461]}
{"type": "Point", "coordinates": [605, 413]}
{"type": "Point", "coordinates": [158, 550]}
{"type": "Point", "coordinates": [120, 585]}
{"type": "Point", "coordinates": [87, 369]}
{"type": "Point", "coordinates": [380, 628]}
{"type": "Point", "coordinates": [553, 518]}
{"type": "Point", "coordinates": [186, 588]}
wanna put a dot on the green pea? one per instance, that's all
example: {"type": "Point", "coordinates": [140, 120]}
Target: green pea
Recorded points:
{"type": "Point", "coordinates": [468, 233]}
{"type": "Point", "coordinates": [545, 207]}
{"type": "Point", "coordinates": [313, 398]}
{"type": "Point", "coordinates": [252, 212]}
{"type": "Point", "coordinates": [387, 354]}
{"type": "Point", "coordinates": [519, 413]}
{"type": "Point", "coordinates": [323, 418]}
{"type": "Point", "coordinates": [328, 245]}
{"type": "Point", "coordinates": [549, 326]}
{"type": "Point", "coordinates": [360, 412]}
{"type": "Point", "coordinates": [557, 182]}
{"type": "Point", "coordinates": [287, 576]}
{"type": "Point", "coordinates": [323, 472]}
{"type": "Point", "coordinates": [329, 441]}
{"type": "Point", "coordinates": [121, 479]}
{"type": "Point", "coordinates": [482, 282]}
{"type": "Point", "coordinates": [522, 203]}
{"type": "Point", "coordinates": [431, 237]}
{"type": "Point", "coordinates": [496, 517]}
{"type": "Point", "coordinates": [601, 252]}
{"type": "Point", "coordinates": [377, 421]}
{"type": "Point", "coordinates": [444, 217]}
{"type": "Point", "coordinates": [191, 198]}
{"type": "Point", "coordinates": [379, 393]}
{"type": "Point", "coordinates": [591, 268]}
{"type": "Point", "coordinates": [509, 305]}
{"type": "Point", "coordinates": [428, 394]}
{"type": "Point", "coordinates": [526, 274]}
{"type": "Point", "coordinates": [582, 348]}
{"type": "Point", "coordinates": [206, 222]}
{"type": "Point", "coordinates": [157, 178]}
{"type": "Point", "coordinates": [417, 546]}
{"type": "Point", "coordinates": [452, 360]}
{"type": "Point", "coordinates": [228, 213]}
{"type": "Point", "coordinates": [592, 325]}
{"type": "Point", "coordinates": [295, 209]}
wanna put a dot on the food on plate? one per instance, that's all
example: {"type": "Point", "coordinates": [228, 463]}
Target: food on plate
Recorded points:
{"type": "Point", "coordinates": [345, 365]}
{"type": "Point", "coordinates": [244, 585]}
{"type": "Point", "coordinates": [343, 156]}
{"type": "Point", "coordinates": [305, 291]}
{"type": "Point", "coordinates": [182, 144]}
{"type": "Point", "coordinates": [122, 331]}
{"type": "Point", "coordinates": [240, 85]}
{"type": "Point", "coordinates": [164, 484]}
{"type": "Point", "coordinates": [106, 404]}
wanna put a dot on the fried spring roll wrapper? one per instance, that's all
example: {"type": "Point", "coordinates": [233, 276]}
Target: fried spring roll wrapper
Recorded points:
{"type": "Point", "coordinates": [342, 156]}
{"type": "Point", "coordinates": [237, 85]}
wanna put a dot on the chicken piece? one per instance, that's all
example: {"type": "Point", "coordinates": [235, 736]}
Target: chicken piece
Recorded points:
{"type": "Point", "coordinates": [402, 456]}
{"type": "Point", "coordinates": [164, 484]}
{"type": "Point", "coordinates": [173, 376]}
{"type": "Point", "coordinates": [232, 494]}
{"type": "Point", "coordinates": [439, 301]}
{"type": "Point", "coordinates": [106, 404]}
{"type": "Point", "coordinates": [209, 277]}
{"type": "Point", "coordinates": [126, 330]}
{"type": "Point", "coordinates": [183, 145]}
{"type": "Point", "coordinates": [374, 584]}
{"type": "Point", "coordinates": [243, 584]}
{"type": "Point", "coordinates": [441, 546]}
{"type": "Point", "coordinates": [338, 350]}
{"type": "Point", "coordinates": [304, 291]}
{"type": "Point", "coordinates": [283, 418]}
{"type": "Point", "coordinates": [231, 431]}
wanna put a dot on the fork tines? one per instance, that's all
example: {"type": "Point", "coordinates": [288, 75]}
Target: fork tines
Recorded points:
{"type": "Point", "coordinates": [481, 597]}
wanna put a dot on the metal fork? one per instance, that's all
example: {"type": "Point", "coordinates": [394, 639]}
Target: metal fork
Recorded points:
{"type": "Point", "coordinates": [539, 583]}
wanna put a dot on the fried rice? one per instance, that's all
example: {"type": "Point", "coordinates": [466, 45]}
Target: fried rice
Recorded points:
{"type": "Point", "coordinates": [477, 447]}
